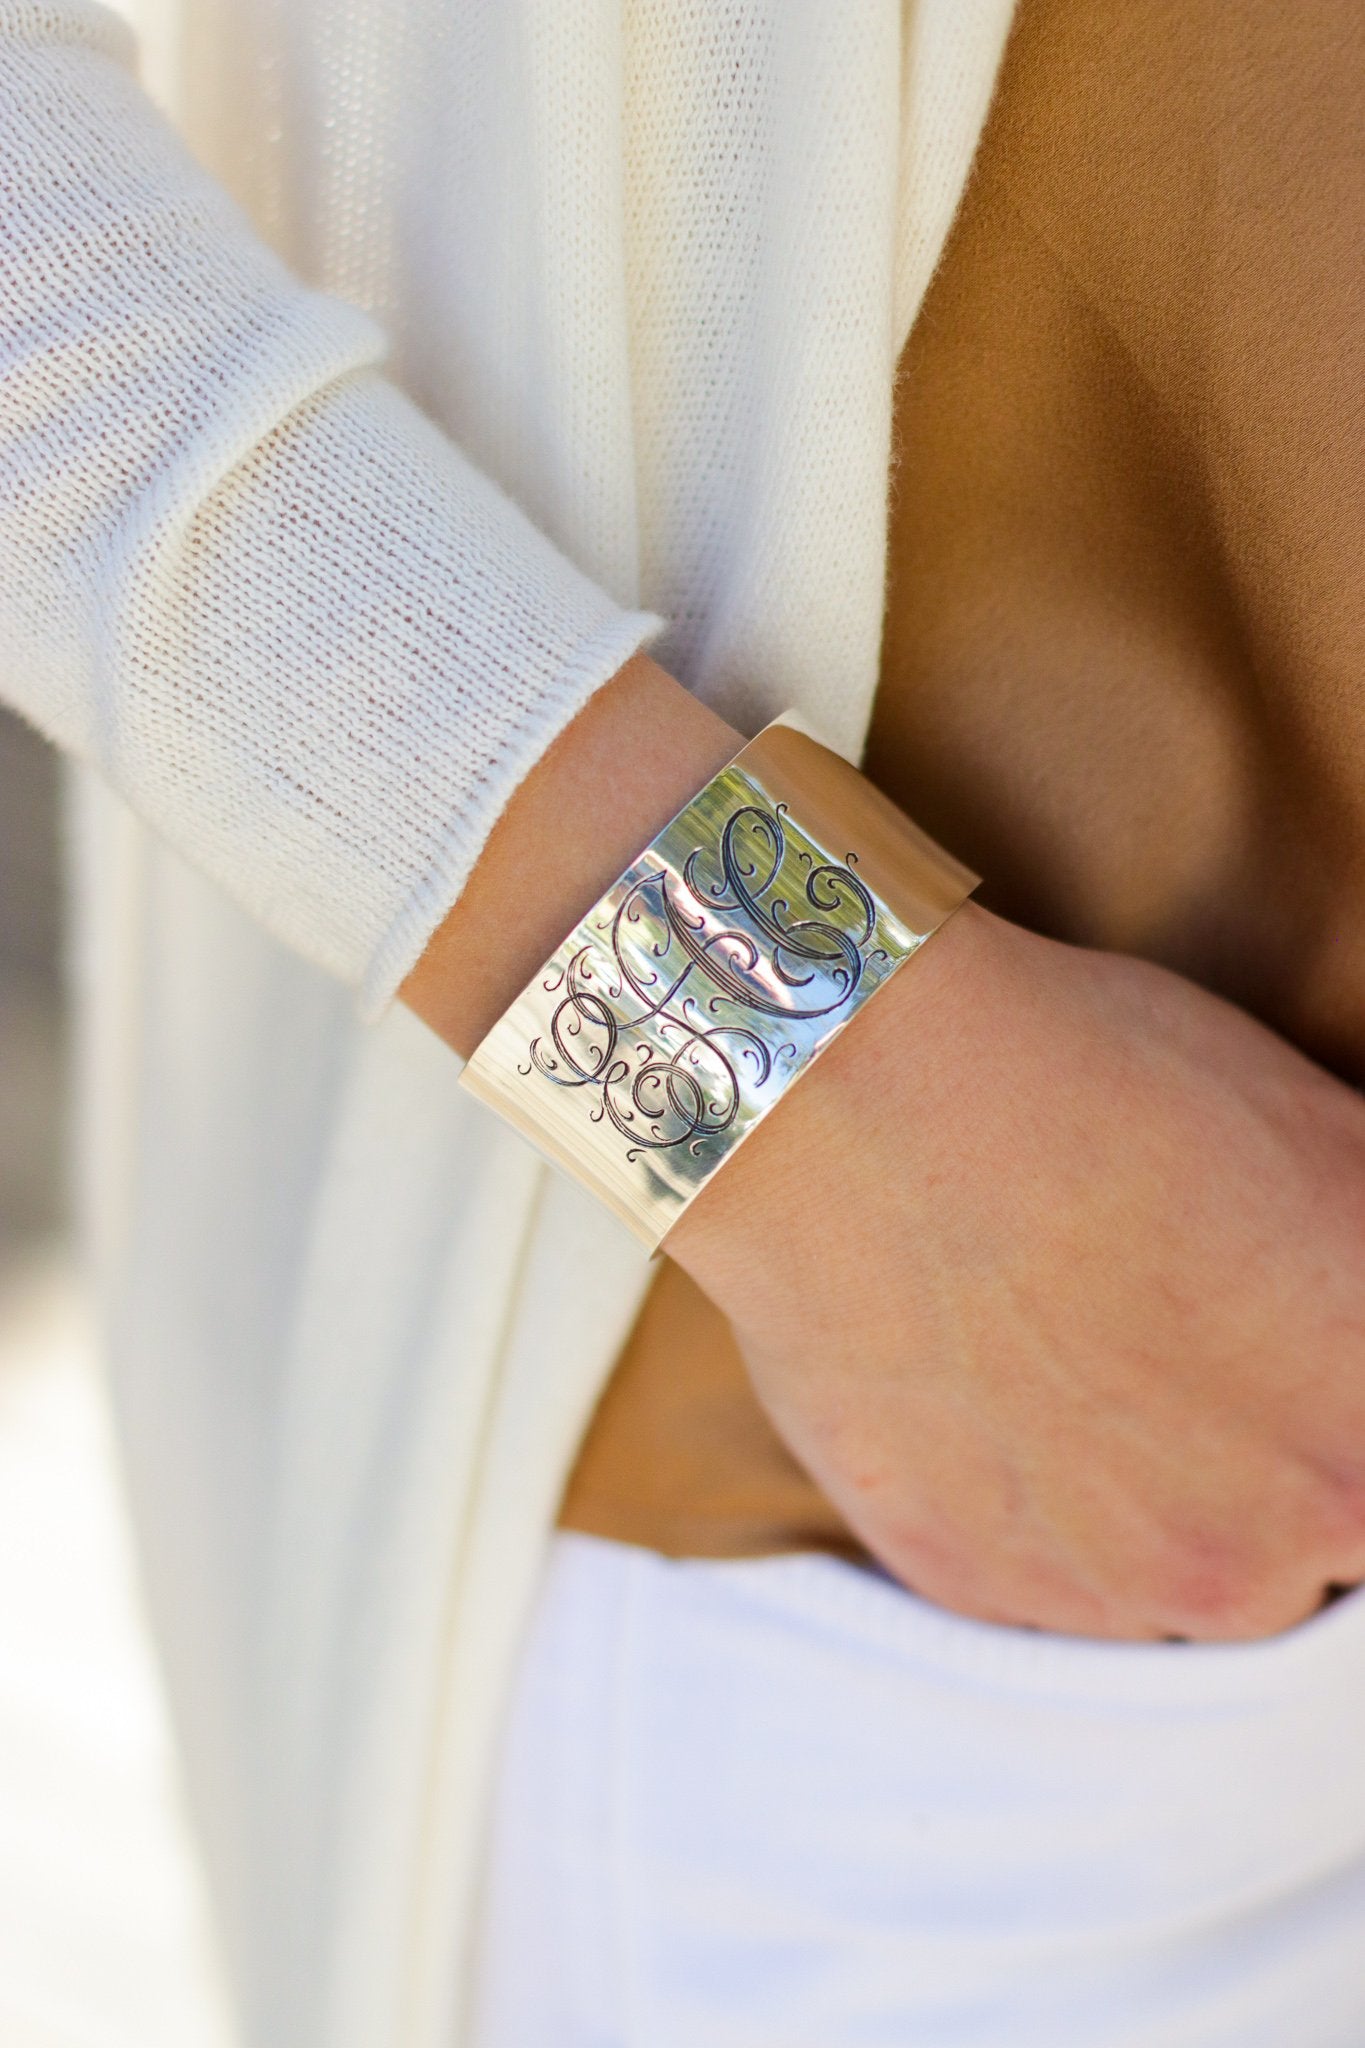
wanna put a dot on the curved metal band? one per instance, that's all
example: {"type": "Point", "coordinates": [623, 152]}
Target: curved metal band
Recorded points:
{"type": "Point", "coordinates": [710, 976]}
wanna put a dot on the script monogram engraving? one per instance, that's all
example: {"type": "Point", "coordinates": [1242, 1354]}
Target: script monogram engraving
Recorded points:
{"type": "Point", "coordinates": [652, 1011]}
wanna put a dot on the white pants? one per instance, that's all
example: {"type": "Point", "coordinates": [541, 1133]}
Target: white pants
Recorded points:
{"type": "Point", "coordinates": [784, 1804]}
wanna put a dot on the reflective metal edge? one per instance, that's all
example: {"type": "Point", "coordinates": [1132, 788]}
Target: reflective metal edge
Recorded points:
{"type": "Point", "coordinates": [711, 975]}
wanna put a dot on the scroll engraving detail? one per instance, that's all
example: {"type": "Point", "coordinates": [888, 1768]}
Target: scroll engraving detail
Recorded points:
{"type": "Point", "coordinates": [661, 1014]}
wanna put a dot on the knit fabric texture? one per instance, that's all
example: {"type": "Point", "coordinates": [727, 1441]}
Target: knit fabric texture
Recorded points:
{"type": "Point", "coordinates": [309, 642]}
{"type": "Point", "coordinates": [375, 377]}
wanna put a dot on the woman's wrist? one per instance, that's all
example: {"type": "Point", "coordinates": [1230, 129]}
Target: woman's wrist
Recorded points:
{"type": "Point", "coordinates": [633, 756]}
{"type": "Point", "coordinates": [782, 1173]}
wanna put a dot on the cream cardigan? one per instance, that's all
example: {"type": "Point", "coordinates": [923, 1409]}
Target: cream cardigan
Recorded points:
{"type": "Point", "coordinates": [597, 342]}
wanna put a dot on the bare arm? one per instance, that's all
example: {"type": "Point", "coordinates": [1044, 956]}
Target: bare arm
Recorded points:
{"type": "Point", "coordinates": [570, 828]}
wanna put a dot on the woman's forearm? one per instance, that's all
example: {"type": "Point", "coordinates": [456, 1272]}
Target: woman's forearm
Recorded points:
{"type": "Point", "coordinates": [632, 757]}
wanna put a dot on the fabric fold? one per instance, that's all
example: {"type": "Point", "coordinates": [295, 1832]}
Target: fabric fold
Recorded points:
{"type": "Point", "coordinates": [242, 575]}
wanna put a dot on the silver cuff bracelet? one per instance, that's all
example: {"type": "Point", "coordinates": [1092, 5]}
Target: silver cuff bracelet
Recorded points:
{"type": "Point", "coordinates": [711, 975]}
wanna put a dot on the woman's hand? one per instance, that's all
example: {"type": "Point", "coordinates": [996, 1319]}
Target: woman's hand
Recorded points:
{"type": "Point", "coordinates": [1052, 1271]}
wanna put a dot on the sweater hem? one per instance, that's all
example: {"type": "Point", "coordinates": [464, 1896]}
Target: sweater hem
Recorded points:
{"type": "Point", "coordinates": [591, 665]}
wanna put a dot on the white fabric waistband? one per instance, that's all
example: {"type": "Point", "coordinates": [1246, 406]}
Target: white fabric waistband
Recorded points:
{"type": "Point", "coordinates": [784, 1804]}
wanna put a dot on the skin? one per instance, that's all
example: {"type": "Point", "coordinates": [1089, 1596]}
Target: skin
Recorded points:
{"type": "Point", "coordinates": [1051, 1270]}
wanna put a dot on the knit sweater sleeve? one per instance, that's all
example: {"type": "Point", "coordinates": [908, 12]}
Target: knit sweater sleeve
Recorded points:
{"type": "Point", "coordinates": [308, 641]}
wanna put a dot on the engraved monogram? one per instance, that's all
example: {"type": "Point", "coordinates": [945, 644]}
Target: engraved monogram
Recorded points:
{"type": "Point", "coordinates": [655, 996]}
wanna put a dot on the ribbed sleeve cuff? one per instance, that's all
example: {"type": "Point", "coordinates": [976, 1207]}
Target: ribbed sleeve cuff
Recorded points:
{"type": "Point", "coordinates": [309, 641]}
{"type": "Point", "coordinates": [593, 664]}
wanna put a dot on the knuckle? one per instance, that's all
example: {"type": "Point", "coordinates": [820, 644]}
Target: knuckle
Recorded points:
{"type": "Point", "coordinates": [1217, 1594]}
{"type": "Point", "coordinates": [1339, 1501]}
{"type": "Point", "coordinates": [1265, 1573]}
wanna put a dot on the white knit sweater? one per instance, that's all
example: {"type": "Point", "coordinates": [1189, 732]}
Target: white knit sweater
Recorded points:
{"type": "Point", "coordinates": [596, 343]}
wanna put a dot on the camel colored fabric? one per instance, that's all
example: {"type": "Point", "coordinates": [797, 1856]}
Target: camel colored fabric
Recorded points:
{"type": "Point", "coordinates": [1123, 668]}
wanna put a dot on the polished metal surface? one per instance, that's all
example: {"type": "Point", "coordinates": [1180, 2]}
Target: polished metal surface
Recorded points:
{"type": "Point", "coordinates": [713, 972]}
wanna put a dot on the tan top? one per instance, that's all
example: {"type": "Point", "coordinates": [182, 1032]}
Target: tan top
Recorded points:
{"type": "Point", "coordinates": [1124, 663]}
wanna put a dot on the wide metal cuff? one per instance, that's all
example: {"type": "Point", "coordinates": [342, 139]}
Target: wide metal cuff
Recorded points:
{"type": "Point", "coordinates": [710, 976]}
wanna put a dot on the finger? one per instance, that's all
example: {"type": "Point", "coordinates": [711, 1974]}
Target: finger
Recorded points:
{"type": "Point", "coordinates": [1236, 1598]}
{"type": "Point", "coordinates": [1035, 1593]}
{"type": "Point", "coordinates": [1338, 1505]}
